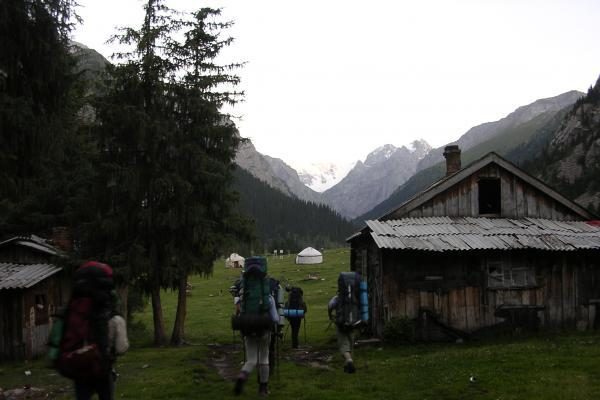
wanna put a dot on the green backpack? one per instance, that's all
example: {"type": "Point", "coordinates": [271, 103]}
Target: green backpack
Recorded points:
{"type": "Point", "coordinates": [254, 318]}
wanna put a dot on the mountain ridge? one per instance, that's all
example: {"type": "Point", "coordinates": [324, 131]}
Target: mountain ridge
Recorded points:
{"type": "Point", "coordinates": [508, 136]}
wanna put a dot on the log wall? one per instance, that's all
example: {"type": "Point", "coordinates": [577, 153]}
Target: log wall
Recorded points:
{"type": "Point", "coordinates": [454, 288]}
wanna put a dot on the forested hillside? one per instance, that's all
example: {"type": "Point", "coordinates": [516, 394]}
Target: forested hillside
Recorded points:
{"type": "Point", "coordinates": [286, 223]}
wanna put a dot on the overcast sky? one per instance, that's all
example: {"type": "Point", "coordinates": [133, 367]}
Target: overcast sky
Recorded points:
{"type": "Point", "coordinates": [330, 81]}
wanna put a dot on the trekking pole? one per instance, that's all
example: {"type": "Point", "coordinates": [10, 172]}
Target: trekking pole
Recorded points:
{"type": "Point", "coordinates": [258, 346]}
{"type": "Point", "coordinates": [244, 347]}
{"type": "Point", "coordinates": [305, 343]}
{"type": "Point", "coordinates": [287, 326]}
{"type": "Point", "coordinates": [277, 355]}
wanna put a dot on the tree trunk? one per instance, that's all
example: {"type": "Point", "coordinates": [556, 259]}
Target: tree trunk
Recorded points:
{"type": "Point", "coordinates": [157, 316]}
{"type": "Point", "coordinates": [177, 338]}
{"type": "Point", "coordinates": [123, 294]}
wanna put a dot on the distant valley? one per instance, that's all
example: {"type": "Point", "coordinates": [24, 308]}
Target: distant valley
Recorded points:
{"type": "Point", "coordinates": [560, 132]}
{"type": "Point", "coordinates": [390, 175]}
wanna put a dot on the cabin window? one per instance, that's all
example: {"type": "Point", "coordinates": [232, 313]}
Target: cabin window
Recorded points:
{"type": "Point", "coordinates": [502, 275]}
{"type": "Point", "coordinates": [489, 196]}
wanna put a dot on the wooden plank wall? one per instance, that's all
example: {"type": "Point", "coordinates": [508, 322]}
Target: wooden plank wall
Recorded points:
{"type": "Point", "coordinates": [375, 288]}
{"type": "Point", "coordinates": [470, 306]}
{"type": "Point", "coordinates": [519, 199]}
{"type": "Point", "coordinates": [377, 312]}
{"type": "Point", "coordinates": [11, 345]}
{"type": "Point", "coordinates": [34, 327]}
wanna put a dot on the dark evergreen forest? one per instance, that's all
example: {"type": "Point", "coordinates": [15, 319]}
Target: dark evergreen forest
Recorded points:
{"type": "Point", "coordinates": [286, 223]}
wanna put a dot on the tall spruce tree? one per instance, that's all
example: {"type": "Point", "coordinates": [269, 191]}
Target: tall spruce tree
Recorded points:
{"type": "Point", "coordinates": [134, 129]}
{"type": "Point", "coordinates": [168, 155]}
{"type": "Point", "coordinates": [205, 142]}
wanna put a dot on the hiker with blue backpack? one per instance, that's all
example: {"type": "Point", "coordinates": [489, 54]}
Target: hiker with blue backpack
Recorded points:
{"type": "Point", "coordinates": [295, 310]}
{"type": "Point", "coordinates": [257, 320]}
{"type": "Point", "coordinates": [87, 338]}
{"type": "Point", "coordinates": [348, 310]}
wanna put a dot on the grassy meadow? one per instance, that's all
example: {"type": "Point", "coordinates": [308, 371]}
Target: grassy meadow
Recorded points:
{"type": "Point", "coordinates": [557, 366]}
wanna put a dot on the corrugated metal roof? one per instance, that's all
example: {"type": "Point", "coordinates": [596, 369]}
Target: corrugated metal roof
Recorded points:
{"type": "Point", "coordinates": [22, 276]}
{"type": "Point", "coordinates": [34, 242]}
{"type": "Point", "coordinates": [470, 233]}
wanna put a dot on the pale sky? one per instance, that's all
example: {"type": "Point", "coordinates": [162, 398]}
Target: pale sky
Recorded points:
{"type": "Point", "coordinates": [331, 80]}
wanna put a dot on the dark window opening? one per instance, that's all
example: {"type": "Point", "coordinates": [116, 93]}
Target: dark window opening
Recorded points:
{"type": "Point", "coordinates": [489, 196]}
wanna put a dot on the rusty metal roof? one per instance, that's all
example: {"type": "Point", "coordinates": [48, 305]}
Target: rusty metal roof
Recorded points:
{"type": "Point", "coordinates": [469, 233]}
{"type": "Point", "coordinates": [23, 276]}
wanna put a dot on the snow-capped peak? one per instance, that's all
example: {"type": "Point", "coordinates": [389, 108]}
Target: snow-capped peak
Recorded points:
{"type": "Point", "coordinates": [384, 151]}
{"type": "Point", "coordinates": [420, 147]}
{"type": "Point", "coordinates": [321, 176]}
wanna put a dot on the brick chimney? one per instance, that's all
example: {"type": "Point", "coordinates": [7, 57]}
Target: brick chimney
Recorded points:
{"type": "Point", "coordinates": [61, 238]}
{"type": "Point", "coordinates": [452, 154]}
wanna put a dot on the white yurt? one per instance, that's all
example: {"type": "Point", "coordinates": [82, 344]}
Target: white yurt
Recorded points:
{"type": "Point", "coordinates": [309, 256]}
{"type": "Point", "coordinates": [234, 261]}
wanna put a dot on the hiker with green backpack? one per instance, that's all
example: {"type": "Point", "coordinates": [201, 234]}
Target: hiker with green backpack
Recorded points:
{"type": "Point", "coordinates": [256, 320]}
{"type": "Point", "coordinates": [348, 310]}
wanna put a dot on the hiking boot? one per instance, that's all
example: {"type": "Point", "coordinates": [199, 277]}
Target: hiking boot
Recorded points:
{"type": "Point", "coordinates": [263, 390]}
{"type": "Point", "coordinates": [349, 367]}
{"type": "Point", "coordinates": [240, 382]}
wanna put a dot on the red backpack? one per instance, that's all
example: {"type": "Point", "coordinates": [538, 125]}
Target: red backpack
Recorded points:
{"type": "Point", "coordinates": [83, 347]}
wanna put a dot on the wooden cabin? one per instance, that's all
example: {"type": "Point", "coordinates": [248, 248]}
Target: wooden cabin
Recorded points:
{"type": "Point", "coordinates": [487, 247]}
{"type": "Point", "coordinates": [32, 287]}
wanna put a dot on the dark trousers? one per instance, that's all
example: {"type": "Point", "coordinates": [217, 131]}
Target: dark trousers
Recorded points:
{"type": "Point", "coordinates": [105, 387]}
{"type": "Point", "coordinates": [295, 325]}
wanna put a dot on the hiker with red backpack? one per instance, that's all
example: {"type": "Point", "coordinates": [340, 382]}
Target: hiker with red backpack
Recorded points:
{"type": "Point", "coordinates": [350, 306]}
{"type": "Point", "coordinates": [93, 333]}
{"type": "Point", "coordinates": [256, 320]}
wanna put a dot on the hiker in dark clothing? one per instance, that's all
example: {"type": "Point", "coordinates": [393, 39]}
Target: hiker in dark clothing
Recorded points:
{"type": "Point", "coordinates": [295, 302]}
{"type": "Point", "coordinates": [94, 333]}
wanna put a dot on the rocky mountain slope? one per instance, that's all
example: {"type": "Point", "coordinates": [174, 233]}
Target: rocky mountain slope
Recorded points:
{"type": "Point", "coordinates": [274, 172]}
{"type": "Point", "coordinates": [486, 131]}
{"type": "Point", "coordinates": [520, 137]}
{"type": "Point", "coordinates": [571, 160]}
{"type": "Point", "coordinates": [289, 175]}
{"type": "Point", "coordinates": [371, 182]}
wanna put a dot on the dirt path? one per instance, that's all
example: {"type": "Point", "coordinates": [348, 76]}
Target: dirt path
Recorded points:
{"type": "Point", "coordinates": [305, 355]}
{"type": "Point", "coordinates": [226, 359]}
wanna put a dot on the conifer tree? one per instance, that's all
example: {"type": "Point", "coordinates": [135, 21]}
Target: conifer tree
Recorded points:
{"type": "Point", "coordinates": [205, 142]}
{"type": "Point", "coordinates": [168, 155]}
{"type": "Point", "coordinates": [39, 141]}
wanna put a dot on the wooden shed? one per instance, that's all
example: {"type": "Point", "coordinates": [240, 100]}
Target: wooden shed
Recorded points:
{"type": "Point", "coordinates": [486, 247]}
{"type": "Point", "coordinates": [32, 287]}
